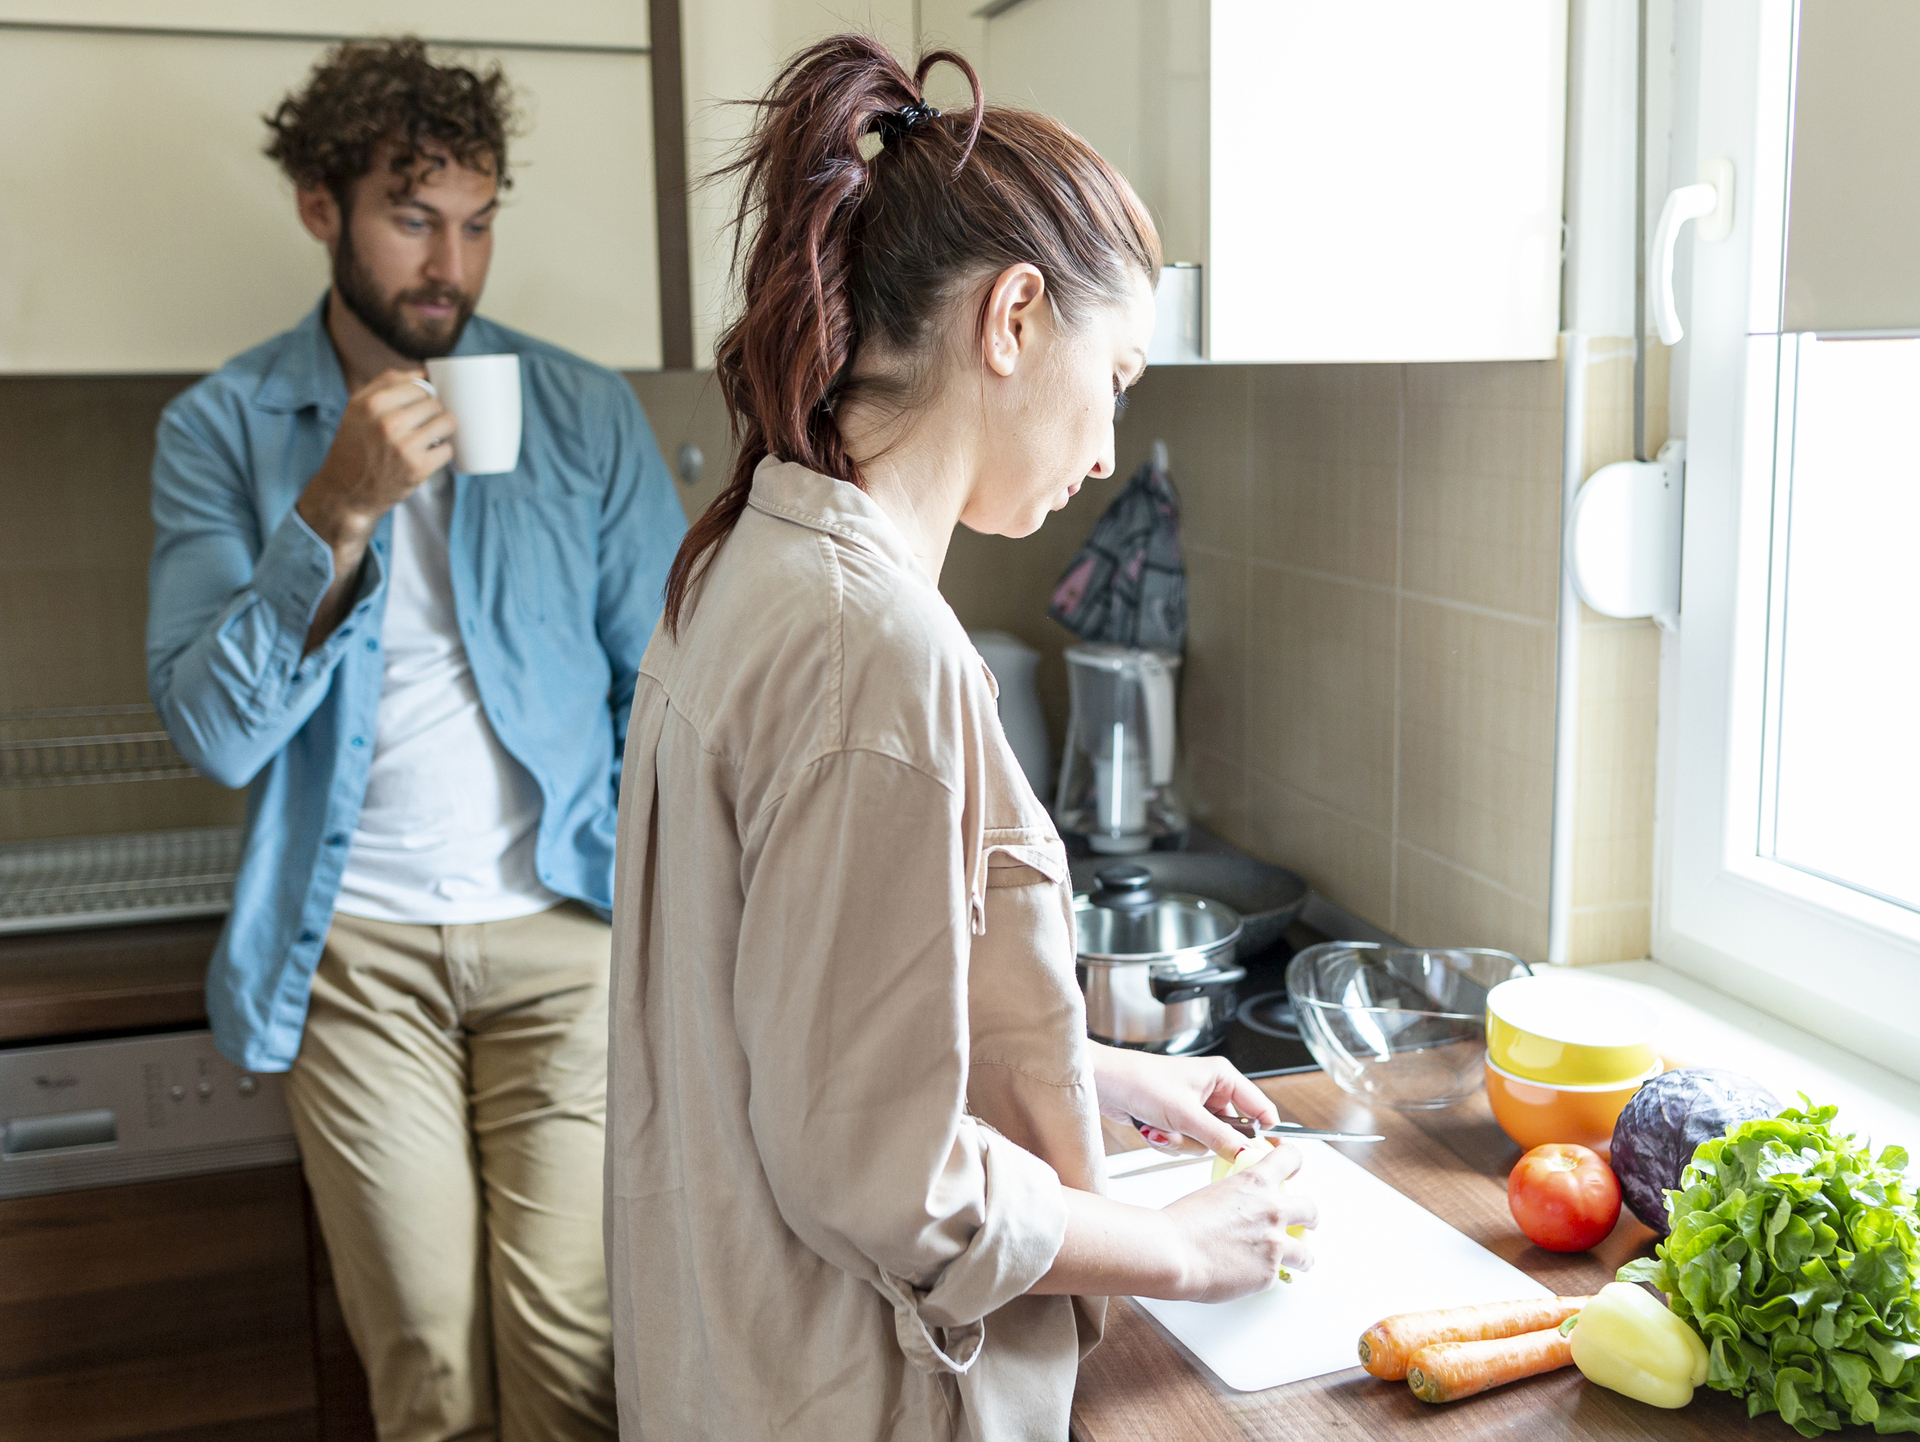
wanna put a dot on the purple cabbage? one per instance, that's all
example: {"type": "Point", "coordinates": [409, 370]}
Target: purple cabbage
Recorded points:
{"type": "Point", "coordinates": [1666, 1119]}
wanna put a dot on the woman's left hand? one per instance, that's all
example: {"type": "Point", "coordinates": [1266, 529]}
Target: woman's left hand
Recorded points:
{"type": "Point", "coordinates": [1180, 1095]}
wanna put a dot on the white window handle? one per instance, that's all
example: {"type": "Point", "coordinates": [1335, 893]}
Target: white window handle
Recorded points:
{"type": "Point", "coordinates": [1711, 203]}
{"type": "Point", "coordinates": [1689, 202]}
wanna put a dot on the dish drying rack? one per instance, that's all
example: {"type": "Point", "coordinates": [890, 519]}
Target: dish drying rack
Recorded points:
{"type": "Point", "coordinates": [105, 880]}
{"type": "Point", "coordinates": [86, 745]}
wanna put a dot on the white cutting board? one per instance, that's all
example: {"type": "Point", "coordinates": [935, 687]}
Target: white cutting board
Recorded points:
{"type": "Point", "coordinates": [1376, 1254]}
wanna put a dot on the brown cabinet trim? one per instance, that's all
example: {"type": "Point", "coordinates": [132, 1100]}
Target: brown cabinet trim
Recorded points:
{"type": "Point", "coordinates": [670, 185]}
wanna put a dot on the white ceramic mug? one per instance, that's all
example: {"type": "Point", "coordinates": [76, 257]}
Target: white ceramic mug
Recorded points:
{"type": "Point", "coordinates": [483, 393]}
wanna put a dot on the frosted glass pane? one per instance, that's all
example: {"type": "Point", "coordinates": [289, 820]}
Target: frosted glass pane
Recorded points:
{"type": "Point", "coordinates": [1851, 260]}
{"type": "Point", "coordinates": [1848, 797]}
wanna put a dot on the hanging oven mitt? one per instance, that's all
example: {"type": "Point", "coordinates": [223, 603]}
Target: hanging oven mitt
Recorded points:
{"type": "Point", "coordinates": [1127, 586]}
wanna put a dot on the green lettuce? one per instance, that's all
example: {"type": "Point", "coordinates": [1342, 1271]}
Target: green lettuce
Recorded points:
{"type": "Point", "coordinates": [1794, 1253]}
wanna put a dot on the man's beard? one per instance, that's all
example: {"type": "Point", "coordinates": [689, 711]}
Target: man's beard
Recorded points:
{"type": "Point", "coordinates": [357, 291]}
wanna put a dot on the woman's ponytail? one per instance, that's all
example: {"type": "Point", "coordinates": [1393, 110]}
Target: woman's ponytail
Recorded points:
{"type": "Point", "coordinates": [860, 209]}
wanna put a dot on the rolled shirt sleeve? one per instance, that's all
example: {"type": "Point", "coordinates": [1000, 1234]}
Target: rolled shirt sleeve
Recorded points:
{"type": "Point", "coordinates": [229, 610]}
{"type": "Point", "coordinates": [851, 1003]}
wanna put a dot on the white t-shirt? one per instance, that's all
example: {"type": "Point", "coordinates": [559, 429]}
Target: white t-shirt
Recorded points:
{"type": "Point", "coordinates": [447, 830]}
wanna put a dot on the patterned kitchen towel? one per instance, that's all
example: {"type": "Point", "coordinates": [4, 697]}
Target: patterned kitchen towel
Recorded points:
{"type": "Point", "coordinates": [1127, 586]}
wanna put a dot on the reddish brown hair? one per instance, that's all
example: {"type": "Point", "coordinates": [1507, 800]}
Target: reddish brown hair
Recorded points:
{"type": "Point", "coordinates": [832, 251]}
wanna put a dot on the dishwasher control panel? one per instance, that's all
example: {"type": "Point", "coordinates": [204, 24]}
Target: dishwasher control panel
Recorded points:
{"type": "Point", "coordinates": [133, 1109]}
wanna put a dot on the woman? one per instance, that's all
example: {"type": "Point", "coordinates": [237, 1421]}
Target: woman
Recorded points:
{"type": "Point", "coordinates": [854, 1151]}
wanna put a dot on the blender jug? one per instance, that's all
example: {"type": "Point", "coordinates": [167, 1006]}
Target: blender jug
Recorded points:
{"type": "Point", "coordinates": [1116, 782]}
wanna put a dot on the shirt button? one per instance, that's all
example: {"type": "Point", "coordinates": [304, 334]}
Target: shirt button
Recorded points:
{"type": "Point", "coordinates": [372, 645]}
{"type": "Point", "coordinates": [336, 839]}
{"type": "Point", "coordinates": [358, 741]}
{"type": "Point", "coordinates": [307, 938]}
{"type": "Point", "coordinates": [345, 631]}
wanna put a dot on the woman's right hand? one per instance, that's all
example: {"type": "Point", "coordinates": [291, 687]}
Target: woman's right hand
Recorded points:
{"type": "Point", "coordinates": [1232, 1236]}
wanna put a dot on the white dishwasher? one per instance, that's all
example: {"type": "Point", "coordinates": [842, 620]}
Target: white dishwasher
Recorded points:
{"type": "Point", "coordinates": [133, 1109]}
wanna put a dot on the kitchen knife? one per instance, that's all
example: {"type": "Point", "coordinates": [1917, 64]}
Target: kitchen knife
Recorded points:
{"type": "Point", "coordinates": [1279, 1132]}
{"type": "Point", "coordinates": [1300, 1131]}
{"type": "Point", "coordinates": [1282, 1130]}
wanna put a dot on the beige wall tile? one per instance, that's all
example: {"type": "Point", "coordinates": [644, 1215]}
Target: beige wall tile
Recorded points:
{"type": "Point", "coordinates": [1476, 742]}
{"type": "Point", "coordinates": [1217, 794]}
{"type": "Point", "coordinates": [1325, 469]}
{"type": "Point", "coordinates": [1201, 412]}
{"type": "Point", "coordinates": [44, 813]}
{"type": "Point", "coordinates": [1439, 904]}
{"type": "Point", "coordinates": [1618, 760]}
{"type": "Point", "coordinates": [72, 635]}
{"type": "Point", "coordinates": [1345, 860]}
{"type": "Point", "coordinates": [1487, 386]}
{"type": "Point", "coordinates": [1609, 419]}
{"type": "Point", "coordinates": [1610, 933]}
{"type": "Point", "coordinates": [1320, 690]}
{"type": "Point", "coordinates": [1213, 682]}
{"type": "Point", "coordinates": [1482, 507]}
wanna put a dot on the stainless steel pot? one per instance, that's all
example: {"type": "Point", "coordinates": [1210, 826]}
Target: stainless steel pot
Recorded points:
{"type": "Point", "coordinates": [1157, 967]}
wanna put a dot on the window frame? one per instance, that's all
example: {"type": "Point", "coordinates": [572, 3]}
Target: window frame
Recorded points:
{"type": "Point", "coordinates": [1835, 961]}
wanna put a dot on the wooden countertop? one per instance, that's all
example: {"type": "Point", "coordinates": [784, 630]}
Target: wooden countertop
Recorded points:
{"type": "Point", "coordinates": [111, 978]}
{"type": "Point", "coordinates": [1140, 1385]}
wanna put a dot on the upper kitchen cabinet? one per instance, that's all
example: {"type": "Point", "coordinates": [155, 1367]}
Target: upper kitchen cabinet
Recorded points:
{"type": "Point", "coordinates": [1367, 181]}
{"type": "Point", "coordinates": [577, 22]}
{"type": "Point", "coordinates": [143, 230]}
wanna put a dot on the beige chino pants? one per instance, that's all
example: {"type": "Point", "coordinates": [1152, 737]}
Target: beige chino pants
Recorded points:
{"type": "Point", "coordinates": [450, 1103]}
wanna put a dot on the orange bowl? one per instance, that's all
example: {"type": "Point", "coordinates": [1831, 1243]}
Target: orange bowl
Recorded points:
{"type": "Point", "coordinates": [1536, 1113]}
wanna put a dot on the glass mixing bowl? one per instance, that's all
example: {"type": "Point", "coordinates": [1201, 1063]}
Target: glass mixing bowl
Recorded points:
{"type": "Point", "coordinates": [1400, 1026]}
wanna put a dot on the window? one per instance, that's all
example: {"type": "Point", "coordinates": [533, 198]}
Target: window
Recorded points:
{"type": "Point", "coordinates": [1841, 761]}
{"type": "Point", "coordinates": [1788, 868]}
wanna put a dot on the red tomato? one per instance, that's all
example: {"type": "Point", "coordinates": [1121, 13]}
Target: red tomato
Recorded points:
{"type": "Point", "coordinates": [1564, 1197]}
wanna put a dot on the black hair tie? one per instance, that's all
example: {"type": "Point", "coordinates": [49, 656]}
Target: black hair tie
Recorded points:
{"type": "Point", "coordinates": [898, 124]}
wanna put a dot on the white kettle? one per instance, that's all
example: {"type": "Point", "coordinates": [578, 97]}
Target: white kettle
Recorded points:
{"type": "Point", "coordinates": [1116, 783]}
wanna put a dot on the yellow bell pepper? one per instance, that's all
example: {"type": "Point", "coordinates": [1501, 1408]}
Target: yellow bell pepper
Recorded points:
{"type": "Point", "coordinates": [1626, 1340]}
{"type": "Point", "coordinates": [1224, 1167]}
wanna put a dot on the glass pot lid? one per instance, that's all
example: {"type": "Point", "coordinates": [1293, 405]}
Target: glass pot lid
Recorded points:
{"type": "Point", "coordinates": [1124, 920]}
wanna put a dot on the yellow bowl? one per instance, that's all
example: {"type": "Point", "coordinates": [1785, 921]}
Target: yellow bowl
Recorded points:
{"type": "Point", "coordinates": [1536, 1113]}
{"type": "Point", "coordinates": [1568, 1031]}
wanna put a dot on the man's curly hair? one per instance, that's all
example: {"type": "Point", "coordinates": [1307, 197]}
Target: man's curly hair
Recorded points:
{"type": "Point", "coordinates": [367, 92]}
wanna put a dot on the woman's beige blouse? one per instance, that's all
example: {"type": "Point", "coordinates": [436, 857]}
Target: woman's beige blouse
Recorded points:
{"type": "Point", "coordinates": [850, 1073]}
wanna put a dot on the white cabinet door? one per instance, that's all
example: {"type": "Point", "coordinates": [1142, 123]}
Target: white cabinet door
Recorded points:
{"type": "Point", "coordinates": [142, 230]}
{"type": "Point", "coordinates": [1368, 180]}
{"type": "Point", "coordinates": [1386, 180]}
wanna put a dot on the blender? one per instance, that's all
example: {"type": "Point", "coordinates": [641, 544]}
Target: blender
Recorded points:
{"type": "Point", "coordinates": [1116, 782]}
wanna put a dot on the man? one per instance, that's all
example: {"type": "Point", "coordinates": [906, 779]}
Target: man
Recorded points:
{"type": "Point", "coordinates": [423, 679]}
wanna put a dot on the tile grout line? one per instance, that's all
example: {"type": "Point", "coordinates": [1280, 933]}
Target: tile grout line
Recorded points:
{"type": "Point", "coordinates": [1399, 641]}
{"type": "Point", "coordinates": [1318, 804]}
{"type": "Point", "coordinates": [1383, 589]}
{"type": "Point", "coordinates": [1245, 778]}
{"type": "Point", "coordinates": [1479, 876]}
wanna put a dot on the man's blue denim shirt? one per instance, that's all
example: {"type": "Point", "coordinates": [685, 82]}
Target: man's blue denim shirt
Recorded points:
{"type": "Point", "coordinates": [558, 570]}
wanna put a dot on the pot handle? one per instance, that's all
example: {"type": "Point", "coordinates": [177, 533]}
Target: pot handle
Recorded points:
{"type": "Point", "coordinates": [1193, 985]}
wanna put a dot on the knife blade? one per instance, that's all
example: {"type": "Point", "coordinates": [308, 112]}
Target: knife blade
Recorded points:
{"type": "Point", "coordinates": [1283, 1130]}
{"type": "Point", "coordinates": [1280, 1131]}
{"type": "Point", "coordinates": [1307, 1132]}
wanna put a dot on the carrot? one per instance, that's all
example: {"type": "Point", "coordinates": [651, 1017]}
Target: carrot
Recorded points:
{"type": "Point", "coordinates": [1448, 1371]}
{"type": "Point", "coordinates": [1386, 1347]}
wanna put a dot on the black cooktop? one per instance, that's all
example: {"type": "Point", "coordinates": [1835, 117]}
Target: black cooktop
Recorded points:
{"type": "Point", "coordinates": [1263, 1039]}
